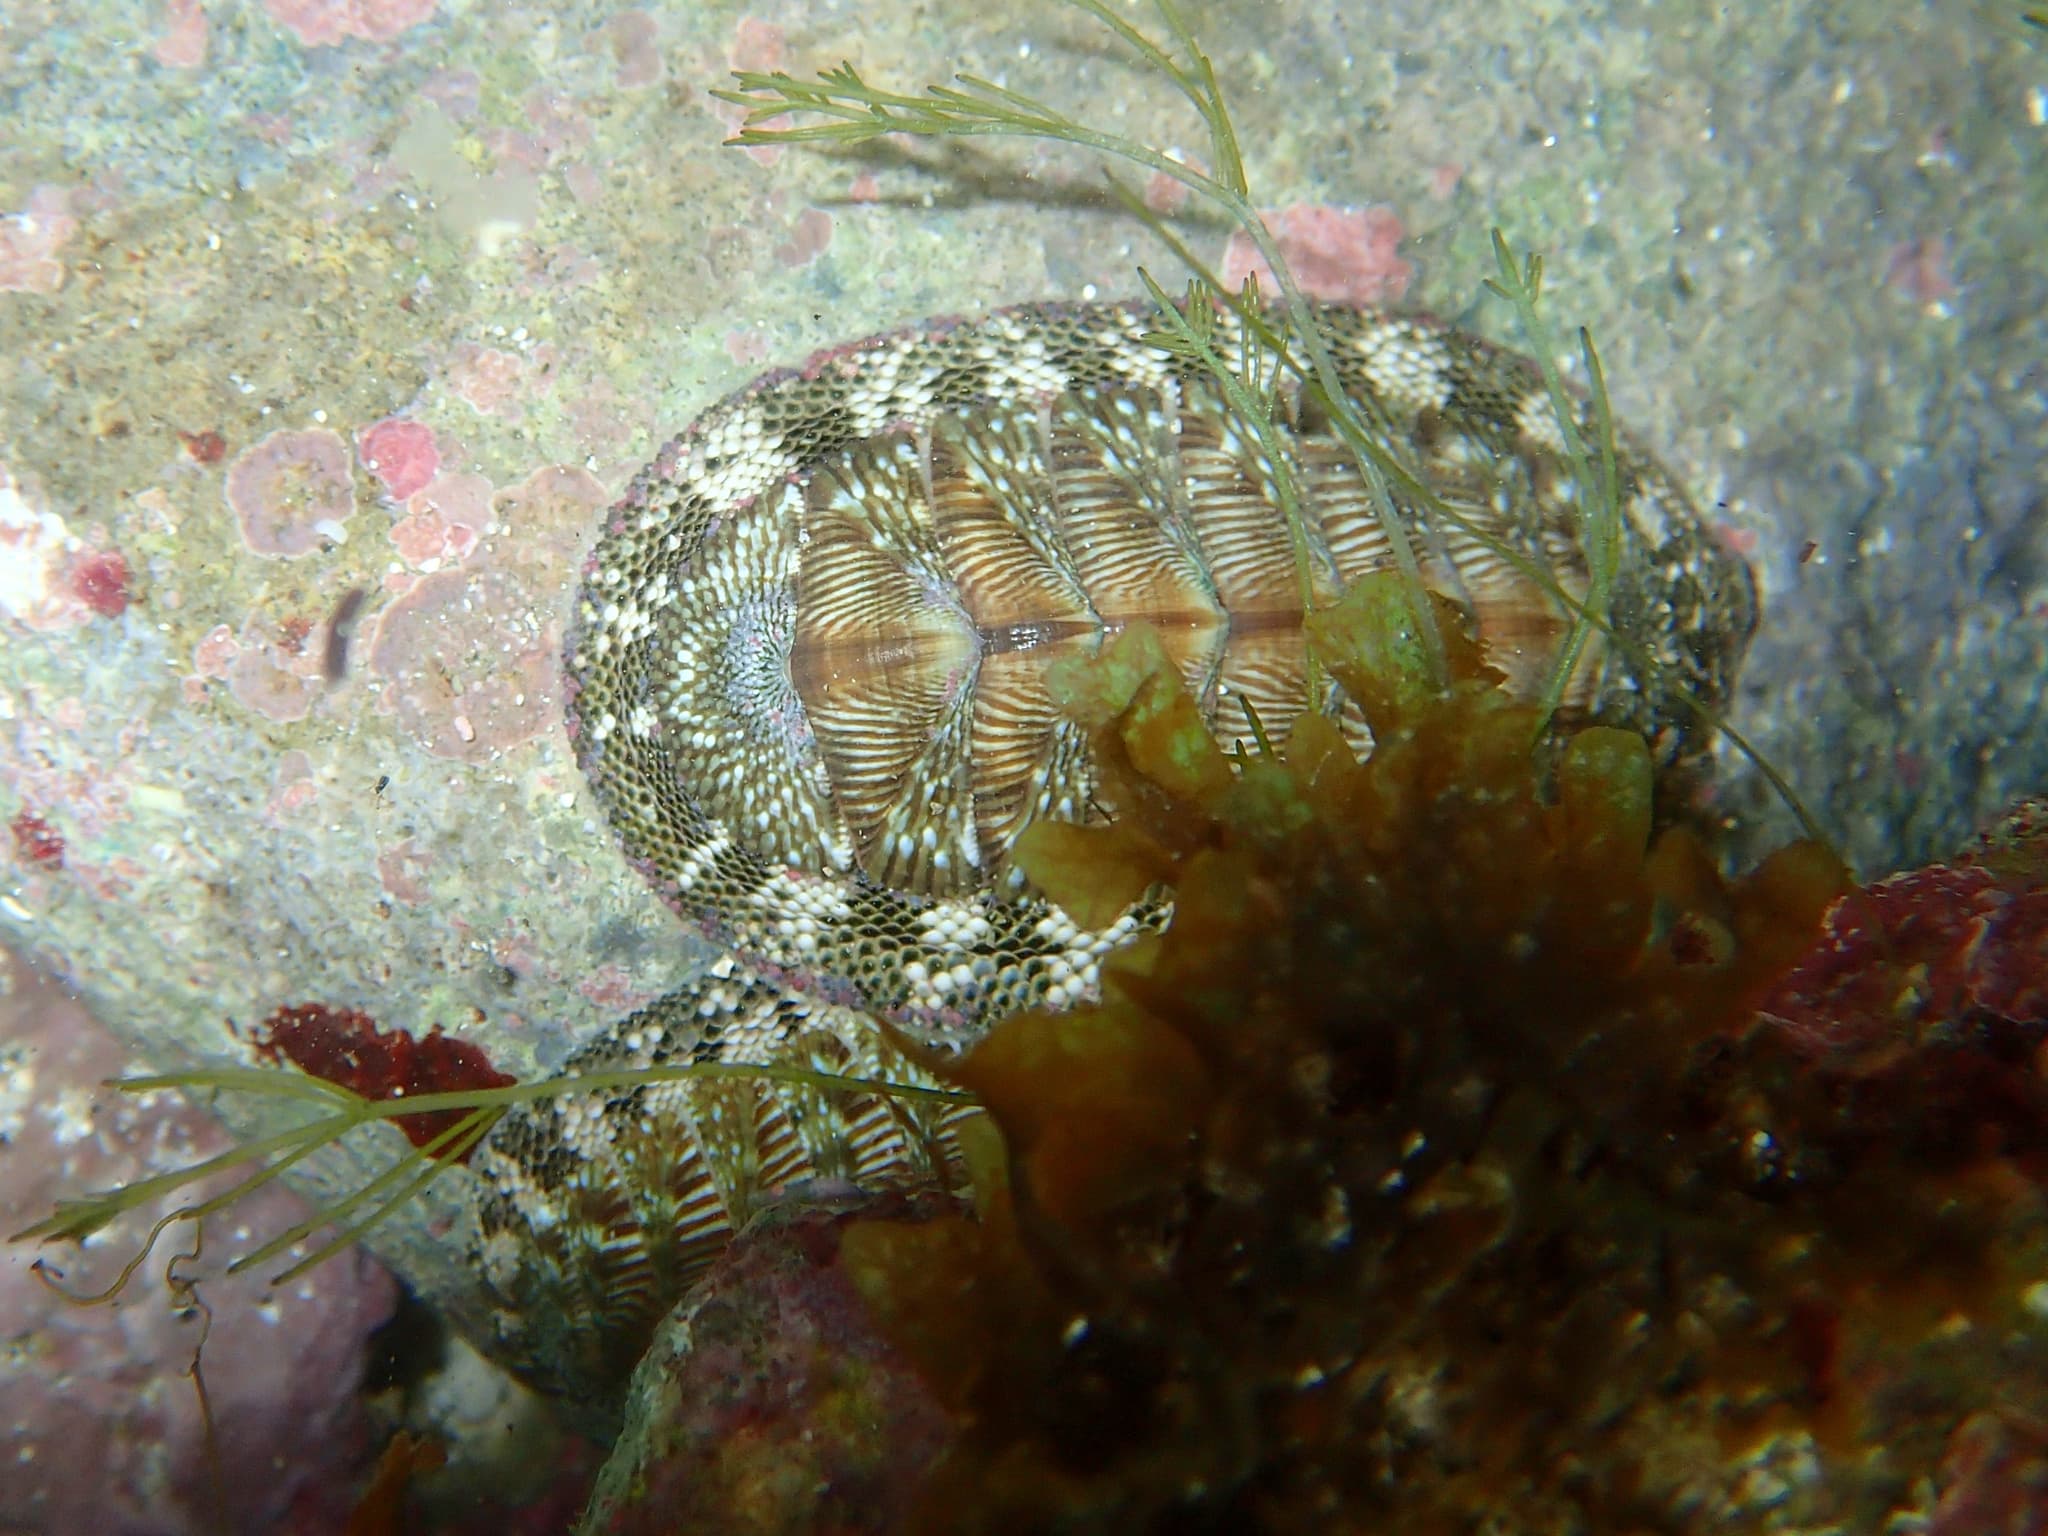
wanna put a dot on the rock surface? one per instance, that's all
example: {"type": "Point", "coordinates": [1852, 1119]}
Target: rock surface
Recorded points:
{"type": "Point", "coordinates": [479, 260]}
{"type": "Point", "coordinates": [101, 1427]}
{"type": "Point", "coordinates": [770, 1402]}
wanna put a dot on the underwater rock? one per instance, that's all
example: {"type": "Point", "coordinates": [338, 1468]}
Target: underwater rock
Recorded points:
{"type": "Point", "coordinates": [101, 1428]}
{"type": "Point", "coordinates": [769, 1402]}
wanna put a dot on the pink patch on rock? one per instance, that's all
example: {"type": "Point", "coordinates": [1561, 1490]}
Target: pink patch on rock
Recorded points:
{"type": "Point", "coordinates": [182, 43]}
{"type": "Point", "coordinates": [516, 949]}
{"type": "Point", "coordinates": [547, 269]}
{"type": "Point", "coordinates": [291, 492]}
{"type": "Point", "coordinates": [548, 514]}
{"type": "Point", "coordinates": [420, 539]}
{"type": "Point", "coordinates": [257, 681]}
{"type": "Point", "coordinates": [30, 240]}
{"type": "Point", "coordinates": [399, 870]}
{"type": "Point", "coordinates": [273, 671]}
{"type": "Point", "coordinates": [1993, 1478]}
{"type": "Point", "coordinates": [808, 238]}
{"type": "Point", "coordinates": [471, 655]}
{"type": "Point", "coordinates": [1164, 195]}
{"type": "Point", "coordinates": [586, 185]}
{"type": "Point", "coordinates": [215, 652]}
{"type": "Point", "coordinates": [401, 453]}
{"type": "Point", "coordinates": [473, 650]}
{"type": "Point", "coordinates": [1338, 255]}
{"type": "Point", "coordinates": [443, 521]}
{"type": "Point", "coordinates": [611, 987]}
{"type": "Point", "coordinates": [318, 23]}
{"type": "Point", "coordinates": [602, 423]}
{"type": "Point", "coordinates": [635, 48]}
{"type": "Point", "coordinates": [757, 46]}
{"type": "Point", "coordinates": [293, 788]}
{"type": "Point", "coordinates": [787, 1409]}
{"type": "Point", "coordinates": [489, 378]}
{"type": "Point", "coordinates": [457, 92]}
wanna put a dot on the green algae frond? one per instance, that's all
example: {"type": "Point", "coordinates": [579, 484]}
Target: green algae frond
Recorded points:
{"type": "Point", "coordinates": [1599, 497]}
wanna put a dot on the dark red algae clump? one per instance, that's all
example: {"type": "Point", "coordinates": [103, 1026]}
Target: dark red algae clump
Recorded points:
{"type": "Point", "coordinates": [36, 841]}
{"type": "Point", "coordinates": [1942, 949]}
{"type": "Point", "coordinates": [345, 1046]}
{"type": "Point", "coordinates": [101, 581]}
{"type": "Point", "coordinates": [1433, 1171]}
{"type": "Point", "coordinates": [204, 447]}
{"type": "Point", "coordinates": [1924, 1007]}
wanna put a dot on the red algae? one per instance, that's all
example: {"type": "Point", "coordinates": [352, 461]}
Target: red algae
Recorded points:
{"type": "Point", "coordinates": [291, 492]}
{"type": "Point", "coordinates": [318, 23]}
{"type": "Point", "coordinates": [472, 661]}
{"type": "Point", "coordinates": [1921, 1014]}
{"type": "Point", "coordinates": [36, 842]}
{"type": "Point", "coordinates": [346, 1047]}
{"type": "Point", "coordinates": [204, 447]}
{"type": "Point", "coordinates": [99, 579]}
{"type": "Point", "coordinates": [400, 453]}
{"type": "Point", "coordinates": [1951, 948]}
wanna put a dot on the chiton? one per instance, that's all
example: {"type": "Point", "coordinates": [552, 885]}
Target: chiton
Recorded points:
{"type": "Point", "coordinates": [808, 686]}
{"type": "Point", "coordinates": [809, 663]}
